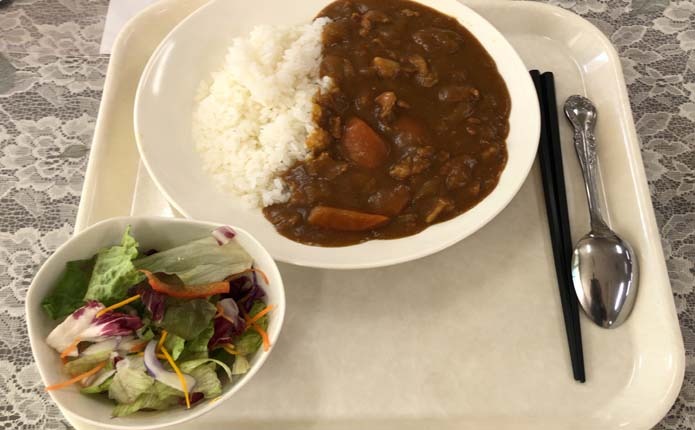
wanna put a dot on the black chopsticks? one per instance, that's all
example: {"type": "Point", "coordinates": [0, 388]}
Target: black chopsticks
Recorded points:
{"type": "Point", "coordinates": [550, 157]}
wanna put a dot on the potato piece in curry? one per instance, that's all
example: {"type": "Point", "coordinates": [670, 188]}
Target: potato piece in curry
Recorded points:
{"type": "Point", "coordinates": [412, 133]}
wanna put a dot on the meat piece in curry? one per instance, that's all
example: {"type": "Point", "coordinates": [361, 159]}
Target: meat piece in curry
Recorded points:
{"type": "Point", "coordinates": [411, 133]}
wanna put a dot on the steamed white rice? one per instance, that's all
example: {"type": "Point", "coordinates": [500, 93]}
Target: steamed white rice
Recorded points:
{"type": "Point", "coordinates": [252, 120]}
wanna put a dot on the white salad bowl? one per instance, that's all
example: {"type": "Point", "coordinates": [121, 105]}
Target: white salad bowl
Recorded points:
{"type": "Point", "coordinates": [196, 48]}
{"type": "Point", "coordinates": [151, 233]}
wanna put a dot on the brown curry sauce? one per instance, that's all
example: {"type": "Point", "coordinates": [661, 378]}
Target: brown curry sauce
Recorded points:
{"type": "Point", "coordinates": [412, 133]}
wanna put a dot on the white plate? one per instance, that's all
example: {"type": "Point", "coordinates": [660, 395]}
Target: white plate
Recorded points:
{"type": "Point", "coordinates": [196, 47]}
{"type": "Point", "coordinates": [472, 337]}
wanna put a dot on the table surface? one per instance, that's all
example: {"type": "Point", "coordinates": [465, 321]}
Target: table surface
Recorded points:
{"type": "Point", "coordinates": [51, 78]}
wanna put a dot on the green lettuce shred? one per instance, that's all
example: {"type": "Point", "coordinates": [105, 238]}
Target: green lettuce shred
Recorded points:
{"type": "Point", "coordinates": [100, 388]}
{"type": "Point", "coordinates": [188, 366]}
{"type": "Point", "coordinates": [207, 381]}
{"type": "Point", "coordinates": [241, 365]}
{"type": "Point", "coordinates": [87, 362]}
{"type": "Point", "coordinates": [130, 381]}
{"type": "Point", "coordinates": [198, 348]}
{"type": "Point", "coordinates": [174, 344]}
{"type": "Point", "coordinates": [250, 341]}
{"type": "Point", "coordinates": [187, 319]}
{"type": "Point", "coordinates": [158, 397]}
{"type": "Point", "coordinates": [114, 272]}
{"type": "Point", "coordinates": [68, 294]}
{"type": "Point", "coordinates": [199, 262]}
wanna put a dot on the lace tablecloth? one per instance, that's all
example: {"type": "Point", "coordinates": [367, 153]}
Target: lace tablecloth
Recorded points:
{"type": "Point", "coordinates": [51, 76]}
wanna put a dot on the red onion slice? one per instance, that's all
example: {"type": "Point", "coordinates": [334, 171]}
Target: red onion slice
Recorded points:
{"type": "Point", "coordinates": [157, 371]}
{"type": "Point", "coordinates": [229, 307]}
{"type": "Point", "coordinates": [223, 234]}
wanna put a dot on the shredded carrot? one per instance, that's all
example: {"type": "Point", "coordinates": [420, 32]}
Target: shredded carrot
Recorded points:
{"type": "Point", "coordinates": [229, 349]}
{"type": "Point", "coordinates": [179, 374]}
{"type": "Point", "coordinates": [253, 269]}
{"type": "Point", "coordinates": [138, 347]}
{"type": "Point", "coordinates": [162, 339]}
{"type": "Point", "coordinates": [186, 291]}
{"type": "Point", "coordinates": [264, 336]}
{"type": "Point", "coordinates": [118, 305]}
{"type": "Point", "coordinates": [259, 315]}
{"type": "Point", "coordinates": [77, 378]}
{"type": "Point", "coordinates": [161, 356]}
{"type": "Point", "coordinates": [67, 351]}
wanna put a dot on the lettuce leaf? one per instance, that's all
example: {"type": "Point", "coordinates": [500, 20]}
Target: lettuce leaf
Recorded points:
{"type": "Point", "coordinates": [114, 272]}
{"type": "Point", "coordinates": [197, 348]}
{"type": "Point", "coordinates": [85, 363]}
{"type": "Point", "coordinates": [199, 262]}
{"type": "Point", "coordinates": [187, 319]}
{"type": "Point", "coordinates": [206, 379]}
{"type": "Point", "coordinates": [145, 332]}
{"type": "Point", "coordinates": [67, 295]}
{"type": "Point", "coordinates": [98, 388]}
{"type": "Point", "coordinates": [102, 380]}
{"type": "Point", "coordinates": [174, 344]}
{"type": "Point", "coordinates": [200, 343]}
{"type": "Point", "coordinates": [188, 366]}
{"type": "Point", "coordinates": [158, 397]}
{"type": "Point", "coordinates": [204, 371]}
{"type": "Point", "coordinates": [224, 357]}
{"type": "Point", "coordinates": [249, 341]}
{"type": "Point", "coordinates": [130, 380]}
{"type": "Point", "coordinates": [241, 365]}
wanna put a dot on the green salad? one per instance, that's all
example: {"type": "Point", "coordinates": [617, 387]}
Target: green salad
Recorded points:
{"type": "Point", "coordinates": [159, 329]}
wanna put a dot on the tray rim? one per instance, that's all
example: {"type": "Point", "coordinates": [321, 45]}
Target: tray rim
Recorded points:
{"type": "Point", "coordinates": [107, 95]}
{"type": "Point", "coordinates": [636, 162]}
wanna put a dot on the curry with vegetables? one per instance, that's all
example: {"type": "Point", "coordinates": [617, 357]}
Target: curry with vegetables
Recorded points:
{"type": "Point", "coordinates": [411, 133]}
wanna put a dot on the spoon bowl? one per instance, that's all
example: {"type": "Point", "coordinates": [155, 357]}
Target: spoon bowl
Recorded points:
{"type": "Point", "coordinates": [604, 274]}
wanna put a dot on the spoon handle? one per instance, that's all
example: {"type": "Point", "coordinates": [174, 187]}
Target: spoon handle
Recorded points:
{"type": "Point", "coordinates": [582, 114]}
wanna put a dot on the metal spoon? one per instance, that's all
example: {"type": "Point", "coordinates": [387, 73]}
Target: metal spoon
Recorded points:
{"type": "Point", "coordinates": [604, 267]}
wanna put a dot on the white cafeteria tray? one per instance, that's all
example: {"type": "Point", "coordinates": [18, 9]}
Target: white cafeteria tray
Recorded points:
{"type": "Point", "coordinates": [471, 337]}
